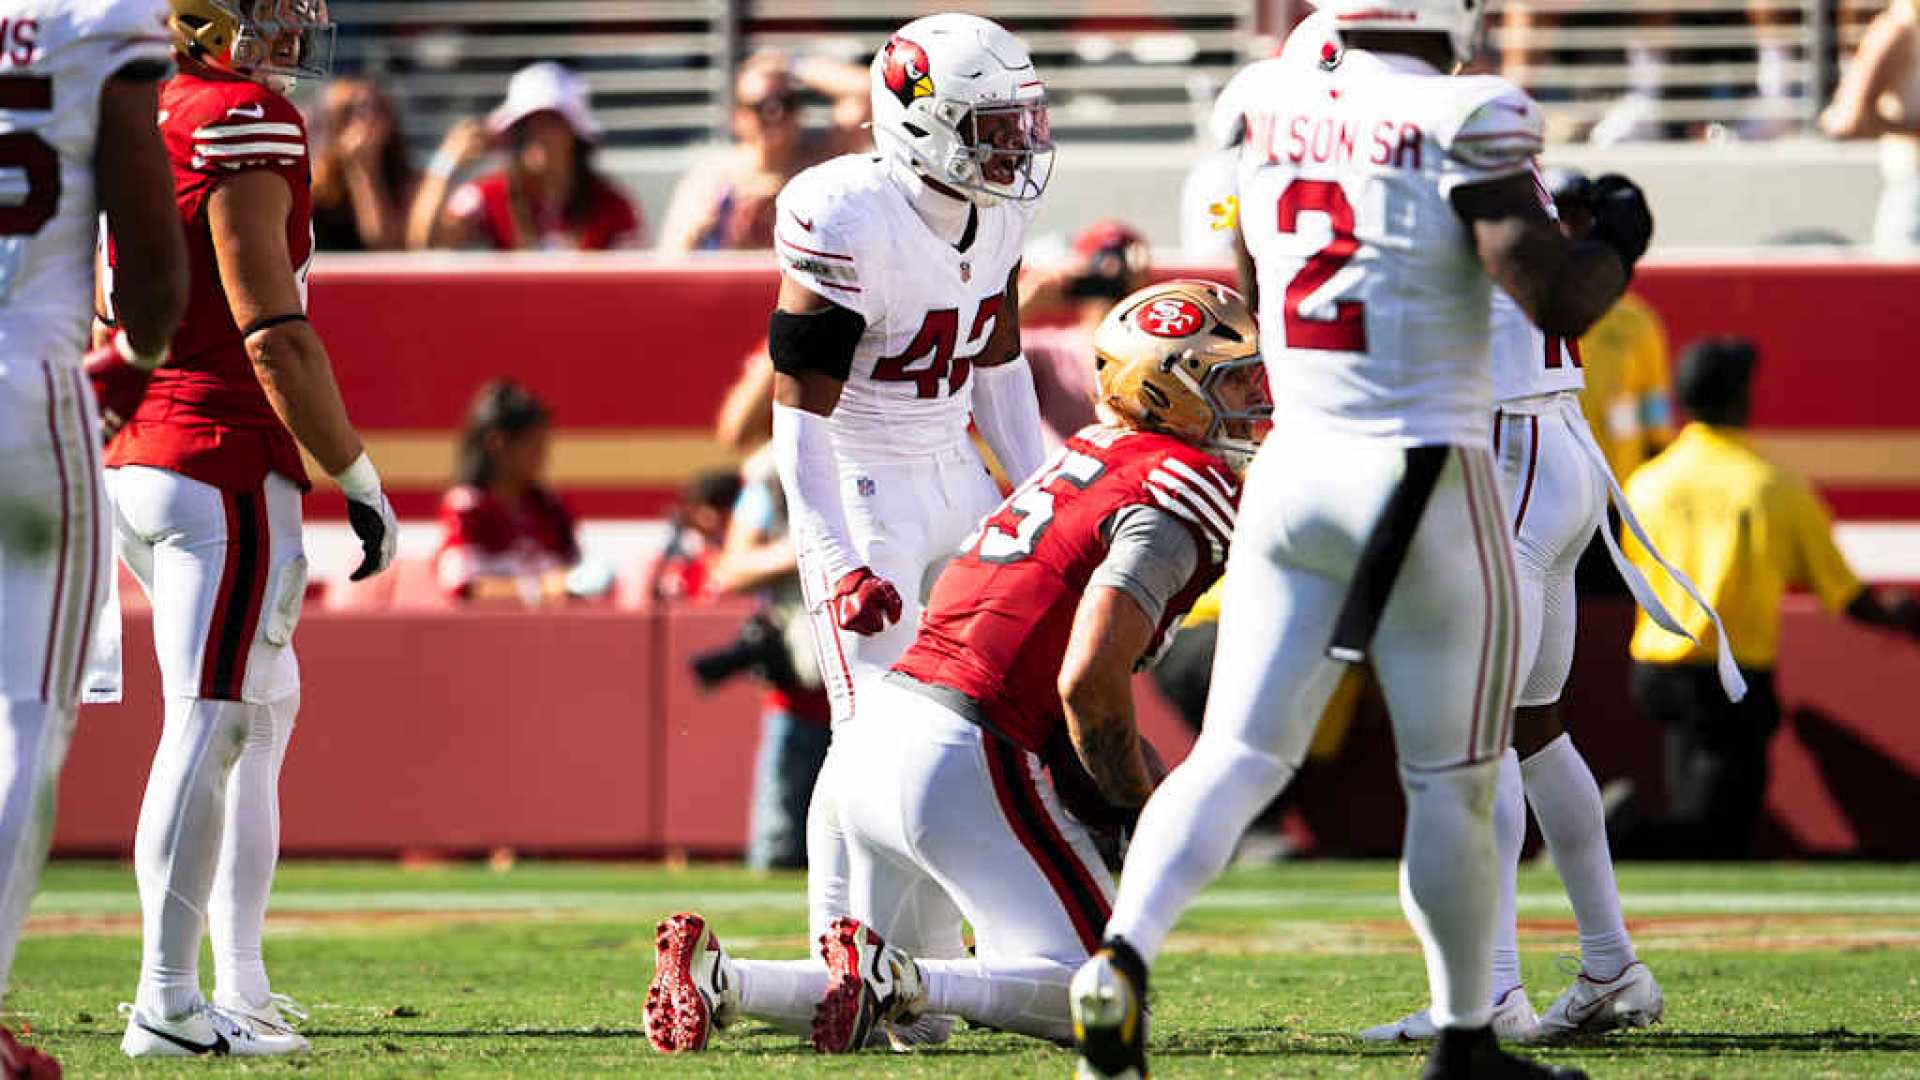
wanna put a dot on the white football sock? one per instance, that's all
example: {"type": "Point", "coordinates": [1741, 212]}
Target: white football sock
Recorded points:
{"type": "Point", "coordinates": [1187, 833]}
{"type": "Point", "coordinates": [1566, 802]}
{"type": "Point", "coordinates": [1027, 996]}
{"type": "Point", "coordinates": [1509, 834]}
{"type": "Point", "coordinates": [33, 743]}
{"type": "Point", "coordinates": [178, 843]}
{"type": "Point", "coordinates": [1447, 886]}
{"type": "Point", "coordinates": [250, 848]}
{"type": "Point", "coordinates": [781, 992]}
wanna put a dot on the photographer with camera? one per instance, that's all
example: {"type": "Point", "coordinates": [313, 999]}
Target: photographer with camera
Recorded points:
{"type": "Point", "coordinates": [775, 646]}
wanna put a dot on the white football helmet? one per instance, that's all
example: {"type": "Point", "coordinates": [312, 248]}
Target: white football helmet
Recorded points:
{"type": "Point", "coordinates": [1463, 21]}
{"type": "Point", "coordinates": [956, 99]}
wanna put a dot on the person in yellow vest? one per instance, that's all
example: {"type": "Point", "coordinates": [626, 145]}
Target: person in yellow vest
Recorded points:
{"type": "Point", "coordinates": [1745, 531]}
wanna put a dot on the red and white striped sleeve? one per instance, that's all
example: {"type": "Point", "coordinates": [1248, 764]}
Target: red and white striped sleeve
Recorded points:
{"type": "Point", "coordinates": [1499, 133]}
{"type": "Point", "coordinates": [1203, 497]}
{"type": "Point", "coordinates": [261, 131]}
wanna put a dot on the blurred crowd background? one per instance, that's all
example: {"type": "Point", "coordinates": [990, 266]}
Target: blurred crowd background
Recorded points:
{"type": "Point", "coordinates": [669, 124]}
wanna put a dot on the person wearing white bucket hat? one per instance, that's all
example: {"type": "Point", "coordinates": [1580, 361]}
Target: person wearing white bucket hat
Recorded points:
{"type": "Point", "coordinates": [548, 196]}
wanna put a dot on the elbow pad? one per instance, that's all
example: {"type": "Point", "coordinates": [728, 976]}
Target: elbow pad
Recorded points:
{"type": "Point", "coordinates": [819, 341]}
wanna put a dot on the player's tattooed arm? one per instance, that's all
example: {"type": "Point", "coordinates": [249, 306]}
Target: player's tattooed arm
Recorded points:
{"type": "Point", "coordinates": [1564, 287]}
{"type": "Point", "coordinates": [1110, 634]}
{"type": "Point", "coordinates": [247, 218]}
{"type": "Point", "coordinates": [136, 193]}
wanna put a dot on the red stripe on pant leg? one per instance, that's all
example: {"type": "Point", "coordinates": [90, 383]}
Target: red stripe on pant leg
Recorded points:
{"type": "Point", "coordinates": [1502, 556]}
{"type": "Point", "coordinates": [223, 603]}
{"type": "Point", "coordinates": [66, 515]}
{"type": "Point", "coordinates": [96, 477]}
{"type": "Point", "coordinates": [1486, 593]}
{"type": "Point", "coordinates": [256, 589]}
{"type": "Point", "coordinates": [1533, 461]}
{"type": "Point", "coordinates": [1013, 787]}
{"type": "Point", "coordinates": [833, 631]}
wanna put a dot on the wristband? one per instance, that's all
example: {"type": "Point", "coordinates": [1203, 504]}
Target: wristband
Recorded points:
{"type": "Point", "coordinates": [359, 480]}
{"type": "Point", "coordinates": [123, 345]}
{"type": "Point", "coordinates": [443, 165]}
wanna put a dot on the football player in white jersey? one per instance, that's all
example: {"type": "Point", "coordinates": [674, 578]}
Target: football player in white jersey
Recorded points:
{"type": "Point", "coordinates": [1555, 482]}
{"type": "Point", "coordinates": [78, 85]}
{"type": "Point", "coordinates": [1381, 201]}
{"type": "Point", "coordinates": [897, 320]}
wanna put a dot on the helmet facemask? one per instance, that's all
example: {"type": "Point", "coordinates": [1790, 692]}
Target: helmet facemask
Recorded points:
{"type": "Point", "coordinates": [1236, 391]}
{"type": "Point", "coordinates": [1000, 151]}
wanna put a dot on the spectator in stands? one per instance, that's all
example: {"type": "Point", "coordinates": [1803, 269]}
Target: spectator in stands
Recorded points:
{"type": "Point", "coordinates": [504, 534]}
{"type": "Point", "coordinates": [549, 196]}
{"type": "Point", "coordinates": [1109, 260]}
{"type": "Point", "coordinates": [1745, 531]}
{"type": "Point", "coordinates": [697, 531]}
{"type": "Point", "coordinates": [758, 559]}
{"type": "Point", "coordinates": [1879, 97]}
{"type": "Point", "coordinates": [725, 201]}
{"type": "Point", "coordinates": [363, 182]}
{"type": "Point", "coordinates": [745, 422]}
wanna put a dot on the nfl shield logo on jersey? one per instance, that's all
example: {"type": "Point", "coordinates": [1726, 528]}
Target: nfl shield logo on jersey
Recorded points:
{"type": "Point", "coordinates": [864, 485]}
{"type": "Point", "coordinates": [966, 271]}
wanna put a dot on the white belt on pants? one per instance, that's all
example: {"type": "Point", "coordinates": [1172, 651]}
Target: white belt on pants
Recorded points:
{"type": "Point", "coordinates": [1730, 678]}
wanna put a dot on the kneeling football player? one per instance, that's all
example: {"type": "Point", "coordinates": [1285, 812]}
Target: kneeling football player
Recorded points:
{"type": "Point", "coordinates": [1023, 661]}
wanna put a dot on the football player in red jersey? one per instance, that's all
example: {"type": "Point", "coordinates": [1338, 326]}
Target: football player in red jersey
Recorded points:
{"type": "Point", "coordinates": [206, 480]}
{"type": "Point", "coordinates": [1025, 657]}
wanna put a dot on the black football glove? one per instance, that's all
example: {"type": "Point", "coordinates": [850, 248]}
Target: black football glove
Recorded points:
{"type": "Point", "coordinates": [1621, 218]}
{"type": "Point", "coordinates": [370, 515]}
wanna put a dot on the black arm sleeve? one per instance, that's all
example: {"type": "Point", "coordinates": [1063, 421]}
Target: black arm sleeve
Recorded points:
{"type": "Point", "coordinates": [821, 341]}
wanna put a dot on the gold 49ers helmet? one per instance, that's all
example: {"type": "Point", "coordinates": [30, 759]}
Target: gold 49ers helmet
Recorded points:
{"type": "Point", "coordinates": [1183, 357]}
{"type": "Point", "coordinates": [273, 42]}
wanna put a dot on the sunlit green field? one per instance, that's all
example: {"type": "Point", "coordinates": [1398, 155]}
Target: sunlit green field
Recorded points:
{"type": "Point", "coordinates": [540, 970]}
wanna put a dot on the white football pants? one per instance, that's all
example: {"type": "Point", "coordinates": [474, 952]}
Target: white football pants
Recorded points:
{"type": "Point", "coordinates": [942, 822]}
{"type": "Point", "coordinates": [1555, 501]}
{"type": "Point", "coordinates": [55, 561]}
{"type": "Point", "coordinates": [1444, 656]}
{"type": "Point", "coordinates": [226, 573]}
{"type": "Point", "coordinates": [908, 517]}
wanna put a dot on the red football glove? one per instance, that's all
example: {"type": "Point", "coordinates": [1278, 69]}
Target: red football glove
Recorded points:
{"type": "Point", "coordinates": [864, 602]}
{"type": "Point", "coordinates": [117, 385]}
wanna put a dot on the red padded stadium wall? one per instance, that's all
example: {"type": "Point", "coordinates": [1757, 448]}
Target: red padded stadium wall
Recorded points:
{"type": "Point", "coordinates": [634, 357]}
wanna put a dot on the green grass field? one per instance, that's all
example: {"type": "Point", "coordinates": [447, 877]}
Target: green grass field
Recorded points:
{"type": "Point", "coordinates": [1790, 971]}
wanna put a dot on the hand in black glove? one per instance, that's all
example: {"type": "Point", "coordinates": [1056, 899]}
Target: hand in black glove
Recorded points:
{"type": "Point", "coordinates": [1621, 218]}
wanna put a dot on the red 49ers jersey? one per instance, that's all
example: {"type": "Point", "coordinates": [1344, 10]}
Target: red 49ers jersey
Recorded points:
{"type": "Point", "coordinates": [205, 415]}
{"type": "Point", "coordinates": [997, 625]}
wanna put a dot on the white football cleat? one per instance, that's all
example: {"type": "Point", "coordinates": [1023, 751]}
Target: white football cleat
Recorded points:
{"type": "Point", "coordinates": [1629, 999]}
{"type": "Point", "coordinates": [278, 1013]}
{"type": "Point", "coordinates": [694, 989]}
{"type": "Point", "coordinates": [1513, 1021]}
{"type": "Point", "coordinates": [869, 984]}
{"type": "Point", "coordinates": [205, 1030]}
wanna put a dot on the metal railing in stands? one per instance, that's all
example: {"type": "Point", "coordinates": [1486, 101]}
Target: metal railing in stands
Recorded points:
{"type": "Point", "coordinates": [1118, 70]}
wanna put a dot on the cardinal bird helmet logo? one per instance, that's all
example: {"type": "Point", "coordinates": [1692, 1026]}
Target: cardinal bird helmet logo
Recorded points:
{"type": "Point", "coordinates": [907, 71]}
